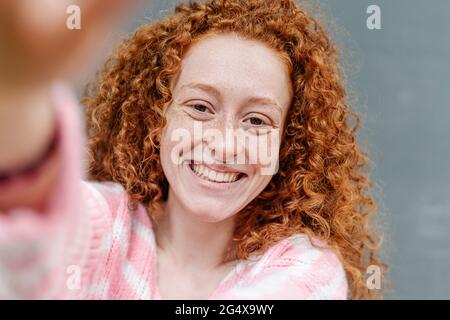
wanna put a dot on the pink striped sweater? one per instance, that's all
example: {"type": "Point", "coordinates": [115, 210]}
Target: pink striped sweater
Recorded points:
{"type": "Point", "coordinates": [89, 245]}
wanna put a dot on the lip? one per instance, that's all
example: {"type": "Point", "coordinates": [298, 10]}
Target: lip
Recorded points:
{"type": "Point", "coordinates": [214, 186]}
{"type": "Point", "coordinates": [218, 167]}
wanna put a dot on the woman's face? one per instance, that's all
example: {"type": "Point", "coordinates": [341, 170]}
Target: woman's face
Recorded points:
{"type": "Point", "coordinates": [220, 147]}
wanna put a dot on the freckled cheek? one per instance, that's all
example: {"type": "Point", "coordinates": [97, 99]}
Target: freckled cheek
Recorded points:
{"type": "Point", "coordinates": [177, 141]}
{"type": "Point", "coordinates": [263, 153]}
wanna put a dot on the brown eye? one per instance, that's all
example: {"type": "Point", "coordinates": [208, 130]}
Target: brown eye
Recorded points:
{"type": "Point", "coordinates": [256, 121]}
{"type": "Point", "coordinates": [200, 107]}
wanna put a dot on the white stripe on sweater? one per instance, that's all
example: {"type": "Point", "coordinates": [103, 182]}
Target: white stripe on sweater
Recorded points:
{"type": "Point", "coordinates": [330, 291]}
{"type": "Point", "coordinates": [296, 271]}
{"type": "Point", "coordinates": [143, 232]}
{"type": "Point", "coordinates": [135, 281]}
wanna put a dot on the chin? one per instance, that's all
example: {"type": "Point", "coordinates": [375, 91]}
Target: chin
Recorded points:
{"type": "Point", "coordinates": [211, 211]}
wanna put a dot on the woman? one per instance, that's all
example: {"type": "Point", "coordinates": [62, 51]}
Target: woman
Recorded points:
{"type": "Point", "coordinates": [185, 203]}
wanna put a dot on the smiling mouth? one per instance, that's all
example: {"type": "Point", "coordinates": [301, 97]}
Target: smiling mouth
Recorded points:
{"type": "Point", "coordinates": [205, 173]}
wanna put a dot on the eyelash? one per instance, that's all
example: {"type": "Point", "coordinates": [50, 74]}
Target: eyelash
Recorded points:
{"type": "Point", "coordinates": [263, 123]}
{"type": "Point", "coordinates": [201, 105]}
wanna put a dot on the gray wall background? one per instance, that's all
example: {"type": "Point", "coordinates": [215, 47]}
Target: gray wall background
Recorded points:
{"type": "Point", "coordinates": [399, 76]}
{"type": "Point", "coordinates": [402, 80]}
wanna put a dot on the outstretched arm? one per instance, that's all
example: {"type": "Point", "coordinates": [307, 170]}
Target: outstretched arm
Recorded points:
{"type": "Point", "coordinates": [47, 230]}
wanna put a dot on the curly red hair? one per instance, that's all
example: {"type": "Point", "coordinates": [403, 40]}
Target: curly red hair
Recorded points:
{"type": "Point", "coordinates": [322, 187]}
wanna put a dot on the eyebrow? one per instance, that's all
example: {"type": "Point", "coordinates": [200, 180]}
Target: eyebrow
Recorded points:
{"type": "Point", "coordinates": [214, 91]}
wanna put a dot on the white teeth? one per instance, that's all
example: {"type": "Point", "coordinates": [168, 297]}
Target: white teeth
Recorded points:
{"type": "Point", "coordinates": [208, 174]}
{"type": "Point", "coordinates": [200, 169]}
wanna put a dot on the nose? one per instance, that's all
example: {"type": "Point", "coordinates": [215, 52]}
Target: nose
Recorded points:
{"type": "Point", "coordinates": [223, 145]}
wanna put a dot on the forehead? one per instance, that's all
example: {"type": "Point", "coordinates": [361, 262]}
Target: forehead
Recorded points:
{"type": "Point", "coordinates": [237, 65]}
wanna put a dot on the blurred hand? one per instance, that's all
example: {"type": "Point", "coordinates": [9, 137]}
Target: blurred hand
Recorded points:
{"type": "Point", "coordinates": [36, 45]}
